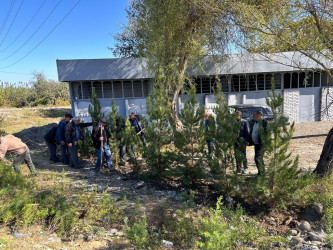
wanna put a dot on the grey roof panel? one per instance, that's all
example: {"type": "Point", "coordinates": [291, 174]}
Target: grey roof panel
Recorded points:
{"type": "Point", "coordinates": [135, 68]}
{"type": "Point", "coordinates": [101, 69]}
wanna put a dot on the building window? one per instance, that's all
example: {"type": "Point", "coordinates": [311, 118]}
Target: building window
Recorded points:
{"type": "Point", "coordinates": [146, 88]}
{"type": "Point", "coordinates": [86, 90]}
{"type": "Point", "coordinates": [76, 90]}
{"type": "Point", "coordinates": [117, 89]}
{"type": "Point", "coordinates": [98, 89]}
{"type": "Point", "coordinates": [294, 80]}
{"type": "Point", "coordinates": [137, 88]}
{"type": "Point", "coordinates": [261, 81]}
{"type": "Point", "coordinates": [235, 83]}
{"type": "Point", "coordinates": [205, 83]}
{"type": "Point", "coordinates": [286, 80]}
{"type": "Point", "coordinates": [243, 83]}
{"type": "Point", "coordinates": [316, 79]}
{"type": "Point", "coordinates": [224, 82]}
{"type": "Point", "coordinates": [277, 80]}
{"type": "Point", "coordinates": [302, 80]}
{"type": "Point", "coordinates": [252, 82]}
{"type": "Point", "coordinates": [213, 84]}
{"type": "Point", "coordinates": [107, 90]}
{"type": "Point", "coordinates": [268, 81]}
{"type": "Point", "coordinates": [127, 85]}
{"type": "Point", "coordinates": [197, 82]}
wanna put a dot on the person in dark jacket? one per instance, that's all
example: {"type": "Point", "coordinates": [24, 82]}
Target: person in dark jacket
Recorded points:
{"type": "Point", "coordinates": [242, 142]}
{"type": "Point", "coordinates": [101, 136]}
{"type": "Point", "coordinates": [256, 139]}
{"type": "Point", "coordinates": [50, 139]}
{"type": "Point", "coordinates": [72, 135]}
{"type": "Point", "coordinates": [61, 140]}
{"type": "Point", "coordinates": [139, 131]}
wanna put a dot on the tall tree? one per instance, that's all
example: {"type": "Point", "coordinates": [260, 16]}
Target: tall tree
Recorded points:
{"type": "Point", "coordinates": [303, 26]}
{"type": "Point", "coordinates": [172, 35]}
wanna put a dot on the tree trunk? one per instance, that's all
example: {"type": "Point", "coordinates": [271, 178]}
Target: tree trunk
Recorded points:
{"type": "Point", "coordinates": [324, 165]}
{"type": "Point", "coordinates": [174, 111]}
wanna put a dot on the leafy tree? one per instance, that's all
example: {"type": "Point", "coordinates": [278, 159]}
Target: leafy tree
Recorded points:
{"type": "Point", "coordinates": [158, 153]}
{"type": "Point", "coordinates": [267, 27]}
{"type": "Point", "coordinates": [172, 35]}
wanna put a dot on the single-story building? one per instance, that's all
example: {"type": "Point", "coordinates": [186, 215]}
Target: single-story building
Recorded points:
{"type": "Point", "coordinates": [245, 79]}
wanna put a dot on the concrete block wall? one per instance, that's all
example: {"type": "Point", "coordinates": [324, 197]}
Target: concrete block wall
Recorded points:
{"type": "Point", "coordinates": [326, 105]}
{"type": "Point", "coordinates": [291, 104]}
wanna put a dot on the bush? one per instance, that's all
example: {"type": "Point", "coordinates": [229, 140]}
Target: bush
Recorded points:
{"type": "Point", "coordinates": [224, 228]}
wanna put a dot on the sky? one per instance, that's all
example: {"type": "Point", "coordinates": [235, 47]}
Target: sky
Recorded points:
{"type": "Point", "coordinates": [35, 33]}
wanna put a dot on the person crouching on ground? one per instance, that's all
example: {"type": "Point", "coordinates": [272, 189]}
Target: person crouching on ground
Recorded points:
{"type": "Point", "coordinates": [14, 145]}
{"type": "Point", "coordinates": [100, 136]}
{"type": "Point", "coordinates": [73, 134]}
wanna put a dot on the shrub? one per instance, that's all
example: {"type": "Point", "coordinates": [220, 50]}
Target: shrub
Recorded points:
{"type": "Point", "coordinates": [224, 228]}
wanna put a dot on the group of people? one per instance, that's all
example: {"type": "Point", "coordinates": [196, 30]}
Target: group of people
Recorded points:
{"type": "Point", "coordinates": [67, 134]}
{"type": "Point", "coordinates": [248, 135]}
{"type": "Point", "coordinates": [69, 131]}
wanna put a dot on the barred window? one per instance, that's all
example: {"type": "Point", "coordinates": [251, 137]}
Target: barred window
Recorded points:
{"type": "Point", "coordinates": [107, 90]}
{"type": "Point", "coordinates": [117, 89]}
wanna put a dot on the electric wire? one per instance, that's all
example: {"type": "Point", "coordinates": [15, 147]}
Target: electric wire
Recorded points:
{"type": "Point", "coordinates": [32, 33]}
{"type": "Point", "coordinates": [44, 37]}
{"type": "Point", "coordinates": [25, 28]}
{"type": "Point", "coordinates": [7, 16]}
{"type": "Point", "coordinates": [10, 26]}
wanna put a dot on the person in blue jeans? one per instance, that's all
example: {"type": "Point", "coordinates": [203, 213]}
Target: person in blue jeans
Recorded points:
{"type": "Point", "coordinates": [101, 136]}
{"type": "Point", "coordinates": [61, 140]}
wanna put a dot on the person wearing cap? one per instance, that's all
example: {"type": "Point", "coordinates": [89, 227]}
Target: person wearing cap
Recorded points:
{"type": "Point", "coordinates": [14, 146]}
{"type": "Point", "coordinates": [61, 140]}
{"type": "Point", "coordinates": [101, 136]}
{"type": "Point", "coordinates": [138, 130]}
{"type": "Point", "coordinates": [74, 133]}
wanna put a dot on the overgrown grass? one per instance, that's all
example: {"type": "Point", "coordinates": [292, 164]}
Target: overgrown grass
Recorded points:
{"type": "Point", "coordinates": [24, 203]}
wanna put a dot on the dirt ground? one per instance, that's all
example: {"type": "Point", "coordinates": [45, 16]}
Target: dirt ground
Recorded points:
{"type": "Point", "coordinates": [307, 142]}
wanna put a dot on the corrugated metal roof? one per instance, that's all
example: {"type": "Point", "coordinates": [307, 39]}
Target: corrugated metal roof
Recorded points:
{"type": "Point", "coordinates": [135, 68]}
{"type": "Point", "coordinates": [101, 69]}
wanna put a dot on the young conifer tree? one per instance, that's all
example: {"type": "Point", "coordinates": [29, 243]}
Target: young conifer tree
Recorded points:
{"type": "Point", "coordinates": [227, 128]}
{"type": "Point", "coordinates": [95, 108]}
{"type": "Point", "coordinates": [158, 154]}
{"type": "Point", "coordinates": [86, 147]}
{"type": "Point", "coordinates": [281, 178]}
{"type": "Point", "coordinates": [190, 142]}
{"type": "Point", "coordinates": [115, 125]}
{"type": "Point", "coordinates": [133, 144]}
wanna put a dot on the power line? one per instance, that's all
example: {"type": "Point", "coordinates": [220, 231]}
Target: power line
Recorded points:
{"type": "Point", "coordinates": [18, 10]}
{"type": "Point", "coordinates": [32, 33]}
{"type": "Point", "coordinates": [20, 73]}
{"type": "Point", "coordinates": [7, 16]}
{"type": "Point", "coordinates": [24, 29]}
{"type": "Point", "coordinates": [44, 37]}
